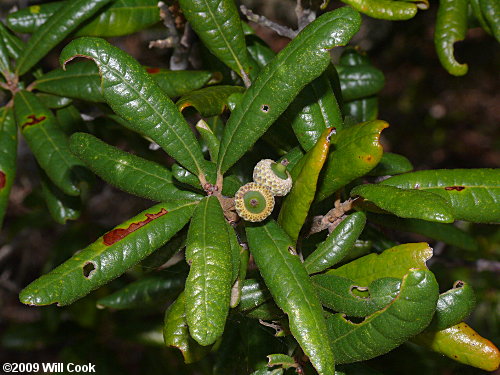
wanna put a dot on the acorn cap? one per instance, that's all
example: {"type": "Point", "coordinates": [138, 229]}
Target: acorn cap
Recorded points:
{"type": "Point", "coordinates": [274, 176]}
{"type": "Point", "coordinates": [253, 202]}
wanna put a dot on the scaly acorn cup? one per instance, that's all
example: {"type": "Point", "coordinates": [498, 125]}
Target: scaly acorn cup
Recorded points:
{"type": "Point", "coordinates": [253, 202]}
{"type": "Point", "coordinates": [274, 176]}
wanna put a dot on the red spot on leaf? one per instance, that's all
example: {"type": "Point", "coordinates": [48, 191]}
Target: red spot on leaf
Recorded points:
{"type": "Point", "coordinates": [116, 235]}
{"type": "Point", "coordinates": [3, 180]}
{"type": "Point", "coordinates": [153, 70]}
{"type": "Point", "coordinates": [33, 121]}
{"type": "Point", "coordinates": [457, 188]}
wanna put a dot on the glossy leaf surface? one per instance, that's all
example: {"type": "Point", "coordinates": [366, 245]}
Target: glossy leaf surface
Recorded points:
{"type": "Point", "coordinates": [362, 110]}
{"type": "Point", "coordinates": [296, 205]}
{"type": "Point", "coordinates": [289, 284]}
{"type": "Point", "coordinates": [464, 345]}
{"type": "Point", "coordinates": [47, 141]}
{"type": "Point", "coordinates": [57, 27]}
{"type": "Point", "coordinates": [8, 152]}
{"type": "Point", "coordinates": [405, 203]}
{"type": "Point", "coordinates": [393, 262]}
{"type": "Point", "coordinates": [391, 164]}
{"type": "Point", "coordinates": [209, 101]}
{"type": "Point", "coordinates": [491, 11]}
{"type": "Point", "coordinates": [282, 79]}
{"type": "Point", "coordinates": [176, 332]}
{"type": "Point", "coordinates": [80, 80]}
{"type": "Point", "coordinates": [409, 313]}
{"type": "Point", "coordinates": [218, 25]}
{"type": "Point", "coordinates": [474, 194]}
{"type": "Point", "coordinates": [360, 81]}
{"type": "Point", "coordinates": [385, 9]}
{"type": "Point", "coordinates": [151, 289]}
{"type": "Point", "coordinates": [337, 245]}
{"type": "Point", "coordinates": [127, 172]}
{"type": "Point", "coordinates": [13, 44]}
{"type": "Point", "coordinates": [208, 286]}
{"type": "Point", "coordinates": [109, 256]}
{"type": "Point", "coordinates": [451, 26]}
{"type": "Point", "coordinates": [133, 95]}
{"type": "Point", "coordinates": [357, 150]}
{"type": "Point", "coordinates": [447, 233]}
{"type": "Point", "coordinates": [175, 83]}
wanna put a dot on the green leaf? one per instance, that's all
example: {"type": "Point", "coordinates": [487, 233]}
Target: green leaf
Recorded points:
{"type": "Point", "coordinates": [253, 294]}
{"type": "Point", "coordinates": [447, 233]}
{"type": "Point", "coordinates": [127, 172]}
{"type": "Point", "coordinates": [337, 245]}
{"type": "Point", "coordinates": [209, 101]}
{"type": "Point", "coordinates": [209, 138]}
{"type": "Point", "coordinates": [61, 207]}
{"type": "Point", "coordinates": [362, 110]}
{"type": "Point", "coordinates": [176, 332]}
{"type": "Point", "coordinates": [47, 142]}
{"type": "Point", "coordinates": [282, 79]}
{"type": "Point", "coordinates": [357, 151]}
{"type": "Point", "coordinates": [109, 256]}
{"type": "Point", "coordinates": [208, 286]}
{"type": "Point", "coordinates": [462, 344]}
{"type": "Point", "coordinates": [13, 44]}
{"type": "Point", "coordinates": [393, 262]}
{"type": "Point", "coordinates": [409, 313]}
{"type": "Point", "coordinates": [80, 81]}
{"type": "Point", "coordinates": [150, 290]}
{"type": "Point", "coordinates": [491, 12]}
{"type": "Point", "coordinates": [391, 164]}
{"type": "Point", "coordinates": [57, 27]}
{"type": "Point", "coordinates": [166, 252]}
{"type": "Point", "coordinates": [4, 59]}
{"type": "Point", "coordinates": [453, 306]}
{"type": "Point", "coordinates": [8, 152]}
{"type": "Point", "coordinates": [289, 284]}
{"type": "Point", "coordinates": [474, 194]}
{"type": "Point", "coordinates": [53, 101]}
{"type": "Point", "coordinates": [259, 51]}
{"type": "Point", "coordinates": [385, 9]}
{"type": "Point", "coordinates": [283, 360]}
{"type": "Point", "coordinates": [133, 95]}
{"type": "Point", "coordinates": [296, 205]}
{"type": "Point", "coordinates": [451, 27]}
{"type": "Point", "coordinates": [218, 25]}
{"type": "Point", "coordinates": [122, 17]}
{"type": "Point", "coordinates": [314, 110]}
{"type": "Point", "coordinates": [413, 203]}
{"type": "Point", "coordinates": [175, 83]}
{"type": "Point", "coordinates": [70, 120]}
{"type": "Point", "coordinates": [344, 295]}
{"type": "Point", "coordinates": [360, 81]}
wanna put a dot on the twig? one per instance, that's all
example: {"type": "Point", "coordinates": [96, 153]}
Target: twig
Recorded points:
{"type": "Point", "coordinates": [332, 218]}
{"type": "Point", "coordinates": [261, 20]}
{"type": "Point", "coordinates": [172, 39]}
{"type": "Point", "coordinates": [180, 58]}
{"type": "Point", "coordinates": [304, 16]}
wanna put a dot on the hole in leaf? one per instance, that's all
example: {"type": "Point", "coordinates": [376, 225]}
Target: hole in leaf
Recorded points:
{"type": "Point", "coordinates": [354, 319]}
{"type": "Point", "coordinates": [360, 291]}
{"type": "Point", "coordinates": [89, 269]}
{"type": "Point", "coordinates": [264, 108]}
{"type": "Point", "coordinates": [458, 284]}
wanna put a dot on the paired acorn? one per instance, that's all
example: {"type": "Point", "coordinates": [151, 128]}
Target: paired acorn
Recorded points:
{"type": "Point", "coordinates": [255, 201]}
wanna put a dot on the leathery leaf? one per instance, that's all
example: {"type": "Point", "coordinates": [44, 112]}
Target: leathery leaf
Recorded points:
{"type": "Point", "coordinates": [176, 332]}
{"type": "Point", "coordinates": [393, 262]}
{"type": "Point", "coordinates": [279, 82]}
{"type": "Point", "coordinates": [461, 343]}
{"type": "Point", "coordinates": [408, 203]}
{"type": "Point", "coordinates": [48, 142]}
{"type": "Point", "coordinates": [337, 245]}
{"type": "Point", "coordinates": [474, 194]}
{"type": "Point", "coordinates": [296, 205]}
{"type": "Point", "coordinates": [127, 172]}
{"type": "Point", "coordinates": [385, 9]}
{"type": "Point", "coordinates": [133, 95]}
{"type": "Point", "coordinates": [109, 256]}
{"type": "Point", "coordinates": [8, 152]}
{"type": "Point", "coordinates": [407, 315]}
{"type": "Point", "coordinates": [451, 27]}
{"type": "Point", "coordinates": [208, 286]}
{"type": "Point", "coordinates": [289, 284]}
{"type": "Point", "coordinates": [208, 101]}
{"type": "Point", "coordinates": [356, 151]}
{"type": "Point", "coordinates": [57, 27]}
{"type": "Point", "coordinates": [218, 25]}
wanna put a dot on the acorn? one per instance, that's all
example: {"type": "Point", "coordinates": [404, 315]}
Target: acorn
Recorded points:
{"type": "Point", "coordinates": [274, 176]}
{"type": "Point", "coordinates": [253, 202]}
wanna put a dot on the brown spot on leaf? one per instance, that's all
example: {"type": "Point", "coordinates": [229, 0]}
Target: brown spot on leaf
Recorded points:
{"type": "Point", "coordinates": [33, 121]}
{"type": "Point", "coordinates": [153, 70]}
{"type": "Point", "coordinates": [457, 188]}
{"type": "Point", "coordinates": [3, 180]}
{"type": "Point", "coordinates": [116, 235]}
